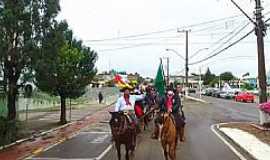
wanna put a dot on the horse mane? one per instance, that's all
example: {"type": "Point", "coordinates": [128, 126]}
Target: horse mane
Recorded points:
{"type": "Point", "coordinates": [168, 121]}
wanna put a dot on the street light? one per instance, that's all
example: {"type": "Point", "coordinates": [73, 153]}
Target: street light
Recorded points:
{"type": "Point", "coordinates": [174, 51]}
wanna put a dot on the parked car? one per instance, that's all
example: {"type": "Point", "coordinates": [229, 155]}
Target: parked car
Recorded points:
{"type": "Point", "coordinates": [191, 90]}
{"type": "Point", "coordinates": [203, 92]}
{"type": "Point", "coordinates": [245, 97]}
{"type": "Point", "coordinates": [216, 93]}
{"type": "Point", "coordinates": [227, 94]}
{"type": "Point", "coordinates": [210, 91]}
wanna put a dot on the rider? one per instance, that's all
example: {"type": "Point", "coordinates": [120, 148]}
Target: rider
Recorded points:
{"type": "Point", "coordinates": [126, 103]}
{"type": "Point", "coordinates": [176, 110]}
{"type": "Point", "coordinates": [178, 106]}
{"type": "Point", "coordinates": [161, 99]}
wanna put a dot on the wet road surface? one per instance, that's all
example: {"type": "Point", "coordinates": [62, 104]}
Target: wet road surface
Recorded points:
{"type": "Point", "coordinates": [201, 143]}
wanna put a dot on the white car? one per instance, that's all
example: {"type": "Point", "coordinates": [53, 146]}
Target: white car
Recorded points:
{"type": "Point", "coordinates": [227, 94]}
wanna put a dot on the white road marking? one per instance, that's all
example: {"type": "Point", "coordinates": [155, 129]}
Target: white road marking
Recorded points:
{"type": "Point", "coordinates": [104, 152]}
{"type": "Point", "coordinates": [98, 140]}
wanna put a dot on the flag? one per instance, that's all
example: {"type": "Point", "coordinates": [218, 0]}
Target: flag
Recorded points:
{"type": "Point", "coordinates": [159, 82]}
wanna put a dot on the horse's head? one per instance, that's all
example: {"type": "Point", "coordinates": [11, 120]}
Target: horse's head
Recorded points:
{"type": "Point", "coordinates": [165, 117]}
{"type": "Point", "coordinates": [117, 121]}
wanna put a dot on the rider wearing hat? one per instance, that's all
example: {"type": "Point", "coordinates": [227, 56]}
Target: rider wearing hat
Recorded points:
{"type": "Point", "coordinates": [126, 103]}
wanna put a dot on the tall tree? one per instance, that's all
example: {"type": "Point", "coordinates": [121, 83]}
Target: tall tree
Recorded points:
{"type": "Point", "coordinates": [227, 76]}
{"type": "Point", "coordinates": [65, 67]}
{"type": "Point", "coordinates": [23, 24]}
{"type": "Point", "coordinates": [208, 77]}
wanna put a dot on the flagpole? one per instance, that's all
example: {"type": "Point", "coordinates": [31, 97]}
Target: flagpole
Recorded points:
{"type": "Point", "coordinates": [163, 74]}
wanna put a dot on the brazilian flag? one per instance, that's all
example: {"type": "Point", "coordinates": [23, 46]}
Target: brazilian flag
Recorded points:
{"type": "Point", "coordinates": [159, 82]}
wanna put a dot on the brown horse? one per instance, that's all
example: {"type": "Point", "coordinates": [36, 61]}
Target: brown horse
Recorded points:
{"type": "Point", "coordinates": [169, 136]}
{"type": "Point", "coordinates": [122, 133]}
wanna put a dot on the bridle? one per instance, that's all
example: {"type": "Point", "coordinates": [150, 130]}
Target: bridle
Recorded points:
{"type": "Point", "coordinates": [122, 124]}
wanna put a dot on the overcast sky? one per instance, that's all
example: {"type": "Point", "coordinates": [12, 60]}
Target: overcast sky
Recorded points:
{"type": "Point", "coordinates": [112, 20]}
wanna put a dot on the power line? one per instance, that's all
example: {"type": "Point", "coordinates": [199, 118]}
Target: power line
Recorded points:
{"type": "Point", "coordinates": [148, 44]}
{"type": "Point", "coordinates": [224, 49]}
{"type": "Point", "coordinates": [127, 47]}
{"type": "Point", "coordinates": [164, 31]}
{"type": "Point", "coordinates": [235, 31]}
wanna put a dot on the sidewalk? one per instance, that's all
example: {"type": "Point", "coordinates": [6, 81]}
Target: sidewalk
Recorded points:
{"type": "Point", "coordinates": [247, 140]}
{"type": "Point", "coordinates": [40, 122]}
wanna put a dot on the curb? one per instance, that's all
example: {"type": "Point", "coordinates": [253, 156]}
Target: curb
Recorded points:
{"type": "Point", "coordinates": [46, 132]}
{"type": "Point", "coordinates": [233, 146]}
{"type": "Point", "coordinates": [35, 136]}
{"type": "Point", "coordinates": [196, 99]}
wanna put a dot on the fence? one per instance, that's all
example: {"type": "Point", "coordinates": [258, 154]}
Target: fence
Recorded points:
{"type": "Point", "coordinates": [40, 100]}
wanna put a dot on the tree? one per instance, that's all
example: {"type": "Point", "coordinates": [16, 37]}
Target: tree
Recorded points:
{"type": "Point", "coordinates": [65, 66]}
{"type": "Point", "coordinates": [227, 76]}
{"type": "Point", "coordinates": [208, 77]}
{"type": "Point", "coordinates": [23, 24]}
{"type": "Point", "coordinates": [247, 86]}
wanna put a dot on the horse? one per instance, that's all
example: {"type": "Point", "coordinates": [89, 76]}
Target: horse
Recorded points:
{"type": "Point", "coordinates": [122, 133]}
{"type": "Point", "coordinates": [169, 136]}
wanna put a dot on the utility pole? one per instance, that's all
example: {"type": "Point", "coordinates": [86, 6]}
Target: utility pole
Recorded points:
{"type": "Point", "coordinates": [168, 71]}
{"type": "Point", "coordinates": [260, 29]}
{"type": "Point", "coordinates": [187, 69]}
{"type": "Point", "coordinates": [186, 58]}
{"type": "Point", "coordinates": [200, 82]}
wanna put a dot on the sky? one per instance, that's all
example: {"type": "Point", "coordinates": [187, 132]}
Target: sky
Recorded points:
{"type": "Point", "coordinates": [132, 35]}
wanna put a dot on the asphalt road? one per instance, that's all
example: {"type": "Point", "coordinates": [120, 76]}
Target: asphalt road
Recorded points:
{"type": "Point", "coordinates": [201, 143]}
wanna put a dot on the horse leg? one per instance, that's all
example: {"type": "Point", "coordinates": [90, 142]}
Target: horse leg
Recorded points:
{"type": "Point", "coordinates": [145, 119]}
{"type": "Point", "coordinates": [118, 148]}
{"type": "Point", "coordinates": [182, 134]}
{"type": "Point", "coordinates": [143, 125]}
{"type": "Point", "coordinates": [172, 153]}
{"type": "Point", "coordinates": [160, 131]}
{"type": "Point", "coordinates": [127, 152]}
{"type": "Point", "coordinates": [165, 152]}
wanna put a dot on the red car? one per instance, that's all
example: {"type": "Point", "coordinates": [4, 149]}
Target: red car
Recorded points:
{"type": "Point", "coordinates": [245, 97]}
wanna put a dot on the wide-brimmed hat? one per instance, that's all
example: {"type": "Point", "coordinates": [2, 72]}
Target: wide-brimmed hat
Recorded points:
{"type": "Point", "coordinates": [126, 88]}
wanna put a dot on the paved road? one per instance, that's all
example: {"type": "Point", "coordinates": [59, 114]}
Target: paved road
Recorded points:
{"type": "Point", "coordinates": [201, 143]}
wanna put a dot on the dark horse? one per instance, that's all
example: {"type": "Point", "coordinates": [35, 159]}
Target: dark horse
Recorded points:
{"type": "Point", "coordinates": [123, 133]}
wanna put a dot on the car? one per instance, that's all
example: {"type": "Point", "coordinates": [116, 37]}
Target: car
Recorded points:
{"type": "Point", "coordinates": [203, 92]}
{"type": "Point", "coordinates": [227, 94]}
{"type": "Point", "coordinates": [216, 93]}
{"type": "Point", "coordinates": [210, 91]}
{"type": "Point", "coordinates": [191, 90]}
{"type": "Point", "coordinates": [245, 97]}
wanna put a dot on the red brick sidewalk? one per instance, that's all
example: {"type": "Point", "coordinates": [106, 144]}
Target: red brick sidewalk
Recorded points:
{"type": "Point", "coordinates": [26, 149]}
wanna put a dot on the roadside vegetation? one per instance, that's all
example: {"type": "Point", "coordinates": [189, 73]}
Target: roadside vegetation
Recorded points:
{"type": "Point", "coordinates": [36, 48]}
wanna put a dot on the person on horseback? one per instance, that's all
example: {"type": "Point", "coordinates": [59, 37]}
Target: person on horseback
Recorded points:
{"type": "Point", "coordinates": [178, 113]}
{"type": "Point", "coordinates": [160, 100]}
{"type": "Point", "coordinates": [126, 104]}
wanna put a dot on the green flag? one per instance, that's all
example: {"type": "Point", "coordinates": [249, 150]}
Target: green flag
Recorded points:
{"type": "Point", "coordinates": [160, 80]}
